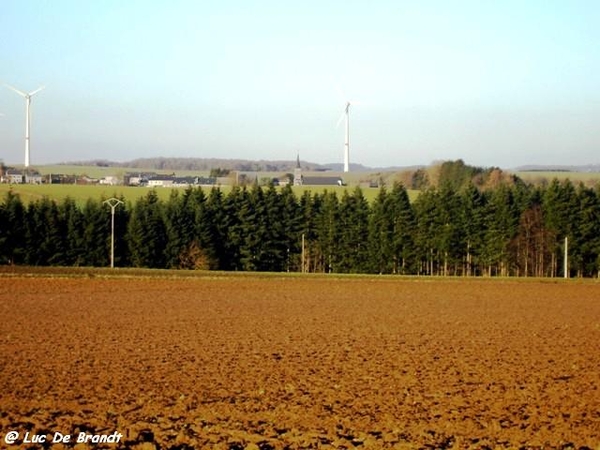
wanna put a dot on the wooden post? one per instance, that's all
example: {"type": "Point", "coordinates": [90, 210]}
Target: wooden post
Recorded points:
{"type": "Point", "coordinates": [303, 256]}
{"type": "Point", "coordinates": [566, 257]}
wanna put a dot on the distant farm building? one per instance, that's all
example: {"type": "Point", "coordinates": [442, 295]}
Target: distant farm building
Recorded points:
{"type": "Point", "coordinates": [20, 176]}
{"type": "Point", "coordinates": [59, 178]}
{"type": "Point", "coordinates": [173, 181]}
{"type": "Point", "coordinates": [152, 179]}
{"type": "Point", "coordinates": [161, 181]}
{"type": "Point", "coordinates": [283, 181]}
{"type": "Point", "coordinates": [84, 179]}
{"type": "Point", "coordinates": [13, 176]}
{"type": "Point", "coordinates": [109, 181]}
{"type": "Point", "coordinates": [138, 178]}
{"type": "Point", "coordinates": [322, 181]}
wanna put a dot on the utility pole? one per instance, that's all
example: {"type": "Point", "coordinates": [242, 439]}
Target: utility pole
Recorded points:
{"type": "Point", "coordinates": [566, 262]}
{"type": "Point", "coordinates": [113, 203]}
{"type": "Point", "coordinates": [303, 255]}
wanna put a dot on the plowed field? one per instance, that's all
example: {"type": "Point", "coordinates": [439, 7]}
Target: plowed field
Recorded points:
{"type": "Point", "coordinates": [287, 362]}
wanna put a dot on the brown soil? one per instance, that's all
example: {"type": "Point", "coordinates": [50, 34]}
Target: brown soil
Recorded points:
{"type": "Point", "coordinates": [276, 362]}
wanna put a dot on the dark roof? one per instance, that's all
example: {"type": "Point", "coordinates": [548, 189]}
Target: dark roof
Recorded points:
{"type": "Point", "coordinates": [195, 180]}
{"type": "Point", "coordinates": [141, 174]}
{"type": "Point", "coordinates": [184, 180]}
{"type": "Point", "coordinates": [28, 172]}
{"type": "Point", "coordinates": [321, 181]}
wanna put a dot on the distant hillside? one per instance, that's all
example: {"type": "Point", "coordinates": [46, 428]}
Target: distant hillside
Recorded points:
{"type": "Point", "coordinates": [557, 168]}
{"type": "Point", "coordinates": [242, 165]}
{"type": "Point", "coordinates": [454, 173]}
{"type": "Point", "coordinates": [204, 164]}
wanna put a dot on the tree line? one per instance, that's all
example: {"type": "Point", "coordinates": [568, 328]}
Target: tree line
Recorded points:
{"type": "Point", "coordinates": [200, 164]}
{"type": "Point", "coordinates": [510, 230]}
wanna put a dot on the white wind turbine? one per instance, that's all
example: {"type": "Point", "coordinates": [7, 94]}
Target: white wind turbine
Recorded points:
{"type": "Point", "coordinates": [346, 115]}
{"type": "Point", "coordinates": [27, 97]}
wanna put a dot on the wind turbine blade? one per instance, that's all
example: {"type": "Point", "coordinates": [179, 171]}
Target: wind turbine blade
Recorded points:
{"type": "Point", "coordinates": [340, 119]}
{"type": "Point", "coordinates": [16, 90]}
{"type": "Point", "coordinates": [37, 90]}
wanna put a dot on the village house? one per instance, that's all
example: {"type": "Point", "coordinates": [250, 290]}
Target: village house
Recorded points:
{"type": "Point", "coordinates": [109, 180]}
{"type": "Point", "coordinates": [19, 176]}
{"type": "Point", "coordinates": [161, 181]}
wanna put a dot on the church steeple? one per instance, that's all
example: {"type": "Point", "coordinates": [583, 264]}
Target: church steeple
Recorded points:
{"type": "Point", "coordinates": [298, 172]}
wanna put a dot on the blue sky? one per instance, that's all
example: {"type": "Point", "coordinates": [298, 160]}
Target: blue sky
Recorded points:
{"type": "Point", "coordinates": [494, 83]}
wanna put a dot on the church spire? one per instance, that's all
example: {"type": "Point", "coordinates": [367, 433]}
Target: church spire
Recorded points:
{"type": "Point", "coordinates": [298, 172]}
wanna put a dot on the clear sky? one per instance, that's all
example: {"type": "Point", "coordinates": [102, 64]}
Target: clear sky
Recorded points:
{"type": "Point", "coordinates": [496, 83]}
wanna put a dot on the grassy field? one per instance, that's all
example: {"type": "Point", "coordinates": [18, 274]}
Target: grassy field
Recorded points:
{"type": "Point", "coordinates": [587, 178]}
{"type": "Point", "coordinates": [99, 172]}
{"type": "Point", "coordinates": [81, 193]}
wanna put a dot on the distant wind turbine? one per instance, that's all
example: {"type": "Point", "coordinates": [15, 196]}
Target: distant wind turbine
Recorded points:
{"type": "Point", "coordinates": [27, 97]}
{"type": "Point", "coordinates": [346, 115]}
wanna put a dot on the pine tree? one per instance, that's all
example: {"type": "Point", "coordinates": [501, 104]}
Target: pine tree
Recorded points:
{"type": "Point", "coordinates": [380, 235]}
{"type": "Point", "coordinates": [147, 234]}
{"type": "Point", "coordinates": [352, 252]}
{"type": "Point", "coordinates": [309, 211]}
{"type": "Point", "coordinates": [327, 232]}
{"type": "Point", "coordinates": [427, 222]}
{"type": "Point", "coordinates": [402, 219]}
{"type": "Point", "coordinates": [13, 245]}
{"type": "Point", "coordinates": [122, 216]}
{"type": "Point", "coordinates": [204, 217]}
{"type": "Point", "coordinates": [255, 251]}
{"type": "Point", "coordinates": [211, 230]}
{"type": "Point", "coordinates": [96, 233]}
{"type": "Point", "coordinates": [473, 222]}
{"type": "Point", "coordinates": [45, 234]}
{"type": "Point", "coordinates": [560, 207]}
{"type": "Point", "coordinates": [72, 220]}
{"type": "Point", "coordinates": [236, 225]}
{"type": "Point", "coordinates": [451, 237]}
{"type": "Point", "coordinates": [179, 220]}
{"type": "Point", "coordinates": [276, 241]}
{"type": "Point", "coordinates": [501, 221]}
{"type": "Point", "coordinates": [290, 219]}
{"type": "Point", "coordinates": [585, 246]}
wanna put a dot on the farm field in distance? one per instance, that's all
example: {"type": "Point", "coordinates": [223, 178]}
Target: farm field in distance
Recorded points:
{"type": "Point", "coordinates": [587, 178]}
{"type": "Point", "coordinates": [255, 361]}
{"type": "Point", "coordinates": [81, 193]}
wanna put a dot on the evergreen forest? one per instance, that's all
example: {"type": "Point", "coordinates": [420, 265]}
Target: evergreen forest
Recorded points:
{"type": "Point", "coordinates": [512, 229]}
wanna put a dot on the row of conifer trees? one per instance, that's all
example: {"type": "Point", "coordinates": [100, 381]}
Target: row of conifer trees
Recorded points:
{"type": "Point", "coordinates": [511, 230]}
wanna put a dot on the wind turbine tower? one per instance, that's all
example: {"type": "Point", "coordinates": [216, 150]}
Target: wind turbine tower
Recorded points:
{"type": "Point", "coordinates": [347, 140]}
{"type": "Point", "coordinates": [346, 115]}
{"type": "Point", "coordinates": [27, 97]}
